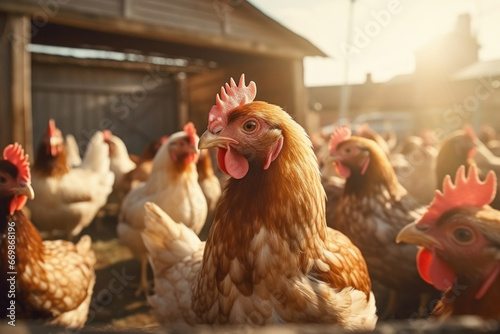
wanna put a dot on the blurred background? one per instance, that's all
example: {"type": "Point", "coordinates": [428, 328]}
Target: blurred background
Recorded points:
{"type": "Point", "coordinates": [144, 68]}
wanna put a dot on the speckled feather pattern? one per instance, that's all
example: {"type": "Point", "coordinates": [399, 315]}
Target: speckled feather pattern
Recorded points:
{"type": "Point", "coordinates": [372, 210]}
{"type": "Point", "coordinates": [269, 257]}
{"type": "Point", "coordinates": [372, 222]}
{"type": "Point", "coordinates": [59, 283]}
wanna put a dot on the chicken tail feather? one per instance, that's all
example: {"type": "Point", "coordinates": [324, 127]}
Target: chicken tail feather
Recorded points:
{"type": "Point", "coordinates": [166, 241]}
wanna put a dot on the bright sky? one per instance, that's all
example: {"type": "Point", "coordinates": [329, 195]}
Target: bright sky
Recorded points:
{"type": "Point", "coordinates": [385, 33]}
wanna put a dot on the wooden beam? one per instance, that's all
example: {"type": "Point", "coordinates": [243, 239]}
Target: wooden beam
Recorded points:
{"type": "Point", "coordinates": [182, 99]}
{"type": "Point", "coordinates": [122, 65]}
{"type": "Point", "coordinates": [15, 83]}
{"type": "Point", "coordinates": [124, 26]}
{"type": "Point", "coordinates": [309, 119]}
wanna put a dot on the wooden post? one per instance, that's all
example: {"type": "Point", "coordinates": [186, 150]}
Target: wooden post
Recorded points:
{"type": "Point", "coordinates": [15, 81]}
{"type": "Point", "coordinates": [182, 99]}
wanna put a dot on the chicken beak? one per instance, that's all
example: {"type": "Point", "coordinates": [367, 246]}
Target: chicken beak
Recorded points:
{"type": "Point", "coordinates": [209, 140]}
{"type": "Point", "coordinates": [415, 235]}
{"type": "Point", "coordinates": [24, 189]}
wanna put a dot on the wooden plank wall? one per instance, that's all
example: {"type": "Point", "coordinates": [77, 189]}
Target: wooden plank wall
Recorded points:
{"type": "Point", "coordinates": [137, 106]}
{"type": "Point", "coordinates": [278, 82]}
{"type": "Point", "coordinates": [15, 81]}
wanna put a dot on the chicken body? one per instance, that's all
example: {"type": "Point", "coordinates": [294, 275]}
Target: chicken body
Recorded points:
{"type": "Point", "coordinates": [144, 165]}
{"type": "Point", "coordinates": [173, 186]}
{"type": "Point", "coordinates": [460, 239]}
{"type": "Point", "coordinates": [417, 173]}
{"type": "Point", "coordinates": [211, 187]}
{"type": "Point", "coordinates": [120, 163]}
{"type": "Point", "coordinates": [457, 149]}
{"type": "Point", "coordinates": [68, 199]}
{"type": "Point", "coordinates": [269, 256]}
{"type": "Point", "coordinates": [55, 279]}
{"type": "Point", "coordinates": [372, 210]}
{"type": "Point", "coordinates": [72, 151]}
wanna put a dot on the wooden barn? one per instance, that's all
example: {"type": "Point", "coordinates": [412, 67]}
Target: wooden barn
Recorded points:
{"type": "Point", "coordinates": [141, 68]}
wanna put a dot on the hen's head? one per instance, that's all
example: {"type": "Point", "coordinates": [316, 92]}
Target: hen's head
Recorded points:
{"type": "Point", "coordinates": [460, 144]}
{"type": "Point", "coordinates": [182, 146]}
{"type": "Point", "coordinates": [456, 150]}
{"type": "Point", "coordinates": [15, 179]}
{"type": "Point", "coordinates": [360, 160]}
{"type": "Point", "coordinates": [247, 134]}
{"type": "Point", "coordinates": [459, 234]}
{"type": "Point", "coordinates": [53, 139]}
{"type": "Point", "coordinates": [115, 144]}
{"type": "Point", "coordinates": [50, 157]}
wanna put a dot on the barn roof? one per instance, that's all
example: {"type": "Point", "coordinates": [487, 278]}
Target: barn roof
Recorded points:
{"type": "Point", "coordinates": [218, 27]}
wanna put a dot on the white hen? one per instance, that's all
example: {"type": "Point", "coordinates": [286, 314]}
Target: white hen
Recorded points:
{"type": "Point", "coordinates": [68, 199]}
{"type": "Point", "coordinates": [173, 186]}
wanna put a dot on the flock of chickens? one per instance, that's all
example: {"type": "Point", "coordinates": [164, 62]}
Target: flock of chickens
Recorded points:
{"type": "Point", "coordinates": [344, 229]}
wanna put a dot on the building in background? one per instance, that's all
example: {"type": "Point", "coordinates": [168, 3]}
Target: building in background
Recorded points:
{"type": "Point", "coordinates": [449, 88]}
{"type": "Point", "coordinates": [152, 65]}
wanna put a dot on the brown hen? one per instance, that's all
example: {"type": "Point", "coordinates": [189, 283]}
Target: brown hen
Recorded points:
{"type": "Point", "coordinates": [371, 211]}
{"type": "Point", "coordinates": [460, 239]}
{"type": "Point", "coordinates": [269, 257]}
{"type": "Point", "coordinates": [54, 279]}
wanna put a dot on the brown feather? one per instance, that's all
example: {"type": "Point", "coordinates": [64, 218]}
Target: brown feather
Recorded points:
{"type": "Point", "coordinates": [288, 202]}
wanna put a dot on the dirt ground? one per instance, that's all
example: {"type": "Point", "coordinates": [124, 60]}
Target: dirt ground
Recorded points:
{"type": "Point", "coordinates": [116, 308]}
{"type": "Point", "coordinates": [114, 304]}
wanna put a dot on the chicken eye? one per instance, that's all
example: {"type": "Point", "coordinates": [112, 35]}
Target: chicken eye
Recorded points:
{"type": "Point", "coordinates": [348, 150]}
{"type": "Point", "coordinates": [463, 235]}
{"type": "Point", "coordinates": [3, 179]}
{"type": "Point", "coordinates": [250, 126]}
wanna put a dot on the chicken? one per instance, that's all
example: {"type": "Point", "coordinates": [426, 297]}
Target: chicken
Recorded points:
{"type": "Point", "coordinates": [69, 198]}
{"type": "Point", "coordinates": [72, 151]}
{"type": "Point", "coordinates": [485, 159]}
{"type": "Point", "coordinates": [120, 162]}
{"type": "Point", "coordinates": [364, 130]}
{"type": "Point", "coordinates": [418, 177]}
{"type": "Point", "coordinates": [457, 149]}
{"type": "Point", "coordinates": [462, 147]}
{"type": "Point", "coordinates": [460, 239]}
{"type": "Point", "coordinates": [173, 185]}
{"type": "Point", "coordinates": [489, 138]}
{"type": "Point", "coordinates": [52, 280]}
{"type": "Point", "coordinates": [144, 164]}
{"type": "Point", "coordinates": [269, 257]}
{"type": "Point", "coordinates": [210, 185]}
{"type": "Point", "coordinates": [372, 210]}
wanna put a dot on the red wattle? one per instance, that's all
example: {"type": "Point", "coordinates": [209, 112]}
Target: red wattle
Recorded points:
{"type": "Point", "coordinates": [221, 154]}
{"type": "Point", "coordinates": [424, 257]}
{"type": "Point", "coordinates": [435, 270]}
{"type": "Point", "coordinates": [232, 163]}
{"type": "Point", "coordinates": [17, 203]}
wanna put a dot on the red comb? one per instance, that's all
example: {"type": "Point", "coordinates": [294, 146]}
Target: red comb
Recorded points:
{"type": "Point", "coordinates": [106, 135]}
{"type": "Point", "coordinates": [14, 153]}
{"type": "Point", "coordinates": [231, 97]}
{"type": "Point", "coordinates": [467, 191]}
{"type": "Point", "coordinates": [52, 127]}
{"type": "Point", "coordinates": [191, 132]}
{"type": "Point", "coordinates": [340, 134]}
